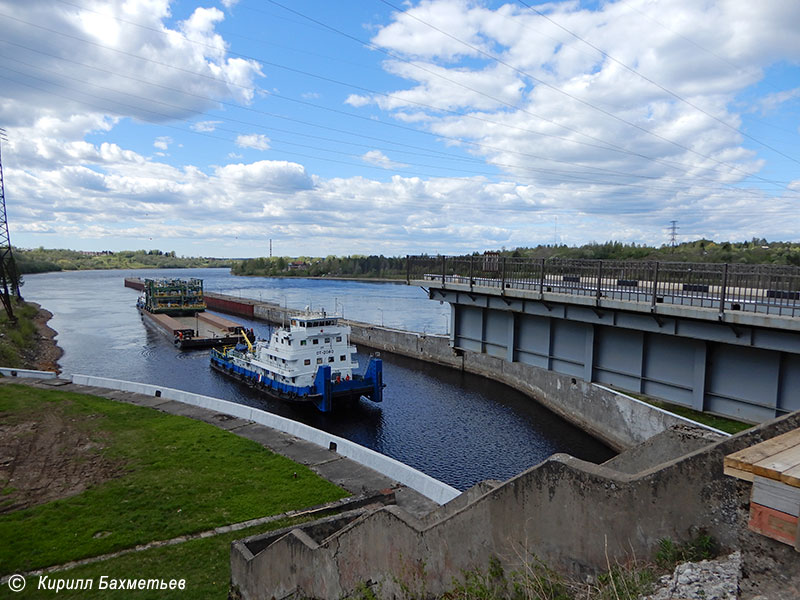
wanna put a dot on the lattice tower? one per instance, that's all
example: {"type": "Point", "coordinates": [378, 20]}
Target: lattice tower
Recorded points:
{"type": "Point", "coordinates": [9, 277]}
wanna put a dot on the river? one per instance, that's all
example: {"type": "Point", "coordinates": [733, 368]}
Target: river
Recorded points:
{"type": "Point", "coordinates": [456, 427]}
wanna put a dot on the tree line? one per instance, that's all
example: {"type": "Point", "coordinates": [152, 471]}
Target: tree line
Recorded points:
{"type": "Point", "coordinates": [41, 260]}
{"type": "Point", "coordinates": [755, 251]}
{"type": "Point", "coordinates": [375, 266]}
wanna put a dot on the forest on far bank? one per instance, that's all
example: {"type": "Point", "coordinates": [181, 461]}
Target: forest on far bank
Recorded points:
{"type": "Point", "coordinates": [756, 251]}
{"type": "Point", "coordinates": [41, 260]}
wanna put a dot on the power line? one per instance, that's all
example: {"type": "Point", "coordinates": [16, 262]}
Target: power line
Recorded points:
{"type": "Point", "coordinates": [605, 147]}
{"type": "Point", "coordinates": [574, 175]}
{"type": "Point", "coordinates": [565, 93]}
{"type": "Point", "coordinates": [655, 83]}
{"type": "Point", "coordinates": [516, 107]}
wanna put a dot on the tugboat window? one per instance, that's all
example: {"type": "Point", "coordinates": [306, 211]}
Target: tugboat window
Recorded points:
{"type": "Point", "coordinates": [338, 338]}
{"type": "Point", "coordinates": [319, 361]}
{"type": "Point", "coordinates": [327, 340]}
{"type": "Point", "coordinates": [342, 357]}
{"type": "Point", "coordinates": [307, 361]}
{"type": "Point", "coordinates": [330, 359]}
{"type": "Point", "coordinates": [302, 342]}
{"type": "Point", "coordinates": [316, 341]}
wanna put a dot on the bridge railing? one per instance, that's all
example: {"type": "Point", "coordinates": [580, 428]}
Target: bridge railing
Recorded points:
{"type": "Point", "coordinates": [726, 287]}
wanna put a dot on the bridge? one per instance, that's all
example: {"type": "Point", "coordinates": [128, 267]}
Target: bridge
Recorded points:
{"type": "Point", "coordinates": [720, 338]}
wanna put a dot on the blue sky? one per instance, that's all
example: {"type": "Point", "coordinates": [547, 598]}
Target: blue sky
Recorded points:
{"type": "Point", "coordinates": [385, 127]}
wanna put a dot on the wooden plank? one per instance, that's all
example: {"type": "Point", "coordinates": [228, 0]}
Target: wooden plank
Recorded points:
{"type": "Point", "coordinates": [745, 458]}
{"type": "Point", "coordinates": [776, 464]}
{"type": "Point", "coordinates": [773, 524]}
{"type": "Point", "coordinates": [776, 495]}
{"type": "Point", "coordinates": [738, 473]}
{"type": "Point", "coordinates": [792, 477]}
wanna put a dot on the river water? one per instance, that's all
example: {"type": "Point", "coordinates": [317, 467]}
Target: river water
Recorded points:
{"type": "Point", "coordinates": [456, 427]}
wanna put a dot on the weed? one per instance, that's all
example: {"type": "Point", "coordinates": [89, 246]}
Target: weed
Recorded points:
{"type": "Point", "coordinates": [670, 554]}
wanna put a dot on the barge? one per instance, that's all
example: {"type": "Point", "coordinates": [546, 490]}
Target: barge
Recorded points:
{"type": "Point", "coordinates": [177, 307]}
{"type": "Point", "coordinates": [311, 360]}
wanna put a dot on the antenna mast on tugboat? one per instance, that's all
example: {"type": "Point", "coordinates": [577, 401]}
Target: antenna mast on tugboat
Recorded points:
{"type": "Point", "coordinates": [8, 268]}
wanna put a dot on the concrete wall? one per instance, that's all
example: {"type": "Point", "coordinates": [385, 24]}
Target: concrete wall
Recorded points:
{"type": "Point", "coordinates": [615, 418]}
{"type": "Point", "coordinates": [618, 419]}
{"type": "Point", "coordinates": [427, 486]}
{"type": "Point", "coordinates": [27, 373]}
{"type": "Point", "coordinates": [572, 515]}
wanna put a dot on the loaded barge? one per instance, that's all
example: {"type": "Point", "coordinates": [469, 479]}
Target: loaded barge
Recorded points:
{"type": "Point", "coordinates": [309, 361]}
{"type": "Point", "coordinates": [177, 307]}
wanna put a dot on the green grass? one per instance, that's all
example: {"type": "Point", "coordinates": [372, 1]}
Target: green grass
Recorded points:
{"type": "Point", "coordinates": [178, 476]}
{"type": "Point", "coordinates": [203, 563]}
{"type": "Point", "coordinates": [534, 580]}
{"type": "Point", "coordinates": [722, 423]}
{"type": "Point", "coordinates": [671, 554]}
{"type": "Point", "coordinates": [15, 338]}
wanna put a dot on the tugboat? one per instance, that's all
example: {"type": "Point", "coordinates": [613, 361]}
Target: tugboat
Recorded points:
{"type": "Point", "coordinates": [309, 361]}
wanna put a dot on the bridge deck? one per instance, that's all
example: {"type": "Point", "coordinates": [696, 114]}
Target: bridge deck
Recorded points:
{"type": "Point", "coordinates": [766, 289]}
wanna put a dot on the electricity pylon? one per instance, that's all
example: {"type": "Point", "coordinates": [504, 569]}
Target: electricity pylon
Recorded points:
{"type": "Point", "coordinates": [9, 278]}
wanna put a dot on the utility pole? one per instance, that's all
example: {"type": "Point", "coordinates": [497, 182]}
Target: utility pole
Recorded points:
{"type": "Point", "coordinates": [673, 234]}
{"type": "Point", "coordinates": [8, 268]}
{"type": "Point", "coordinates": [270, 247]}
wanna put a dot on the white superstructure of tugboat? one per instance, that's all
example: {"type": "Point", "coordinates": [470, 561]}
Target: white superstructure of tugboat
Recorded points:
{"type": "Point", "coordinates": [310, 360]}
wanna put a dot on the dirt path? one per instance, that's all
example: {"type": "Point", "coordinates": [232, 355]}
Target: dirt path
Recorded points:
{"type": "Point", "coordinates": [46, 456]}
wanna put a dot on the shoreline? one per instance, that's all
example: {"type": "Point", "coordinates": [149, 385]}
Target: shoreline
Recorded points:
{"type": "Point", "coordinates": [46, 353]}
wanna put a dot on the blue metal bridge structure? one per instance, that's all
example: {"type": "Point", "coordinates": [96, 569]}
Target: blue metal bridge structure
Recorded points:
{"type": "Point", "coordinates": [719, 338]}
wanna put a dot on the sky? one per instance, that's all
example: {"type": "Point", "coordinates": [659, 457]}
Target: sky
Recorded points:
{"type": "Point", "coordinates": [390, 127]}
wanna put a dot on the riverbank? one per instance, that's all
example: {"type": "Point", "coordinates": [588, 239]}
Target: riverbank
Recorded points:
{"type": "Point", "coordinates": [28, 343]}
{"type": "Point", "coordinates": [46, 351]}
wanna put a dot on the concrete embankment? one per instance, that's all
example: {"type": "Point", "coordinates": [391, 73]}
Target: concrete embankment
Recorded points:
{"type": "Point", "coordinates": [617, 419]}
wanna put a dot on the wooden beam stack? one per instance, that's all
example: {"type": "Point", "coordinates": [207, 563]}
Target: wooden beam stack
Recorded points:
{"type": "Point", "coordinates": [774, 468]}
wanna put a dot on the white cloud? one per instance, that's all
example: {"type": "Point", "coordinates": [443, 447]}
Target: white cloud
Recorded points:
{"type": "Point", "coordinates": [560, 143]}
{"type": "Point", "coordinates": [357, 100]}
{"type": "Point", "coordinates": [256, 141]}
{"type": "Point", "coordinates": [376, 157]}
{"type": "Point", "coordinates": [773, 101]}
{"type": "Point", "coordinates": [85, 60]}
{"type": "Point", "coordinates": [162, 142]}
{"type": "Point", "coordinates": [205, 126]}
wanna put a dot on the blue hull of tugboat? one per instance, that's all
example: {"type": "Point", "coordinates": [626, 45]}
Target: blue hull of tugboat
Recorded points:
{"type": "Point", "coordinates": [324, 391]}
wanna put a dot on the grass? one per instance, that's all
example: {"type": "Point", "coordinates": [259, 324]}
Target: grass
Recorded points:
{"type": "Point", "coordinates": [671, 554]}
{"type": "Point", "coordinates": [534, 580]}
{"type": "Point", "coordinates": [203, 563]}
{"type": "Point", "coordinates": [722, 423]}
{"type": "Point", "coordinates": [178, 476]}
{"type": "Point", "coordinates": [16, 338]}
